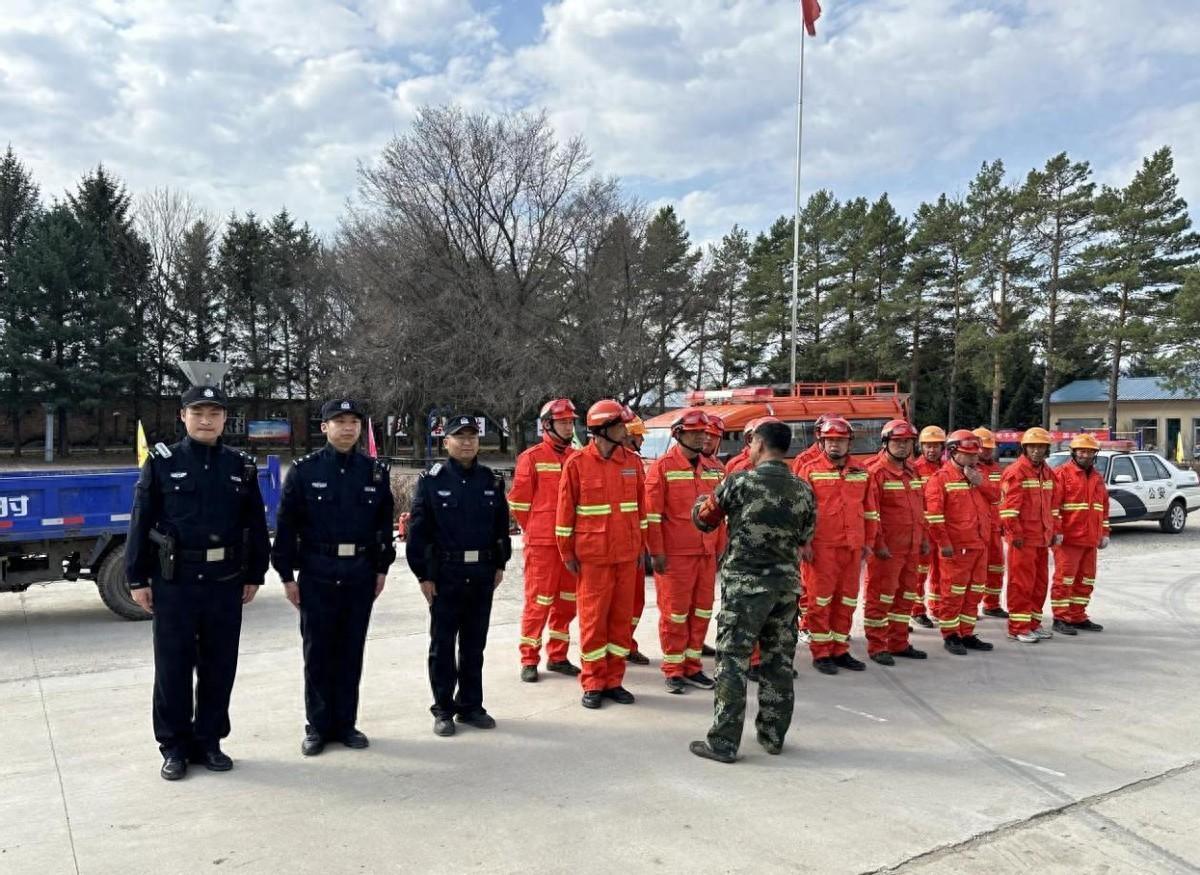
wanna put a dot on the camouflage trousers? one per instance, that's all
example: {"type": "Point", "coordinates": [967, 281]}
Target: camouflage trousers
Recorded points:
{"type": "Point", "coordinates": [769, 619]}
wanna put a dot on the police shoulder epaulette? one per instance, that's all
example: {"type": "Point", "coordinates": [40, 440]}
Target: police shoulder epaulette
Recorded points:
{"type": "Point", "coordinates": [161, 450]}
{"type": "Point", "coordinates": [434, 469]}
{"type": "Point", "coordinates": [383, 464]}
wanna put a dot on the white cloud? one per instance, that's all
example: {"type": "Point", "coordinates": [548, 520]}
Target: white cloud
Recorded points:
{"type": "Point", "coordinates": [254, 104]}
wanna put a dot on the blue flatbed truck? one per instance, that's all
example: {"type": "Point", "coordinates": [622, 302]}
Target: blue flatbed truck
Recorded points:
{"type": "Point", "coordinates": [68, 524]}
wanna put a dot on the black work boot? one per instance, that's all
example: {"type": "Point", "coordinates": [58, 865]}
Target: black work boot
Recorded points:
{"type": "Point", "coordinates": [923, 621]}
{"type": "Point", "coordinates": [825, 665]}
{"type": "Point", "coordinates": [592, 699]}
{"type": "Point", "coordinates": [480, 719]}
{"type": "Point", "coordinates": [883, 658]}
{"type": "Point", "coordinates": [845, 660]}
{"type": "Point", "coordinates": [974, 642]}
{"type": "Point", "coordinates": [701, 749]}
{"type": "Point", "coordinates": [313, 744]}
{"type": "Point", "coordinates": [955, 645]}
{"type": "Point", "coordinates": [998, 613]}
{"type": "Point", "coordinates": [620, 695]}
{"type": "Point", "coordinates": [638, 658]}
{"type": "Point", "coordinates": [1088, 626]}
{"type": "Point", "coordinates": [676, 686]}
{"type": "Point", "coordinates": [174, 768]}
{"type": "Point", "coordinates": [1062, 627]}
{"type": "Point", "coordinates": [910, 652]}
{"type": "Point", "coordinates": [529, 674]}
{"type": "Point", "coordinates": [443, 726]}
{"type": "Point", "coordinates": [563, 666]}
{"type": "Point", "coordinates": [213, 760]}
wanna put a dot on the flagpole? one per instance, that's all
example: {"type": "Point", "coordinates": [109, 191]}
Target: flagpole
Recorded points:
{"type": "Point", "coordinates": [796, 215]}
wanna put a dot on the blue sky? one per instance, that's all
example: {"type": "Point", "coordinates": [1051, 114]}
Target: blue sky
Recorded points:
{"type": "Point", "coordinates": [257, 104]}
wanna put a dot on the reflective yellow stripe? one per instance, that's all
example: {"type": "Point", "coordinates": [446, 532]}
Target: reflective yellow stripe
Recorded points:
{"type": "Point", "coordinates": [545, 600]}
{"type": "Point", "coordinates": [618, 650]}
{"type": "Point", "coordinates": [532, 642]}
{"type": "Point", "coordinates": [644, 524]}
{"type": "Point", "coordinates": [935, 518]}
{"type": "Point", "coordinates": [629, 507]}
{"type": "Point", "coordinates": [893, 484]}
{"type": "Point", "coordinates": [957, 590]}
{"type": "Point", "coordinates": [564, 531]}
{"type": "Point", "coordinates": [870, 514]}
{"type": "Point", "coordinates": [956, 486]}
{"type": "Point", "coordinates": [712, 475]}
{"type": "Point", "coordinates": [822, 601]}
{"type": "Point", "coordinates": [567, 596]}
{"type": "Point", "coordinates": [899, 618]}
{"type": "Point", "coordinates": [911, 596]}
{"type": "Point", "coordinates": [916, 484]}
{"type": "Point", "coordinates": [996, 569]}
{"type": "Point", "coordinates": [547, 466]}
{"type": "Point", "coordinates": [1099, 507]}
{"type": "Point", "coordinates": [1019, 618]}
{"type": "Point", "coordinates": [949, 624]}
{"type": "Point", "coordinates": [1075, 505]}
{"type": "Point", "coordinates": [966, 618]}
{"type": "Point", "coordinates": [679, 618]}
{"type": "Point", "coordinates": [874, 624]}
{"type": "Point", "coordinates": [994, 476]}
{"type": "Point", "coordinates": [978, 587]}
{"type": "Point", "coordinates": [1059, 603]}
{"type": "Point", "coordinates": [849, 602]}
{"type": "Point", "coordinates": [887, 599]}
{"type": "Point", "coordinates": [856, 478]}
{"type": "Point", "coordinates": [692, 654]}
{"type": "Point", "coordinates": [821, 637]}
{"type": "Point", "coordinates": [824, 475]}
{"type": "Point", "coordinates": [703, 614]}
{"type": "Point", "coordinates": [1010, 513]}
{"type": "Point", "coordinates": [593, 655]}
{"type": "Point", "coordinates": [654, 517]}
{"type": "Point", "coordinates": [519, 505]}
{"type": "Point", "coordinates": [593, 509]}
{"type": "Point", "coordinates": [673, 658]}
{"type": "Point", "coordinates": [678, 475]}
{"type": "Point", "coordinates": [560, 636]}
{"type": "Point", "coordinates": [839, 637]}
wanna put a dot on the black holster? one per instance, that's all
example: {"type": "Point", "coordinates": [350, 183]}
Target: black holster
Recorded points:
{"type": "Point", "coordinates": [166, 554]}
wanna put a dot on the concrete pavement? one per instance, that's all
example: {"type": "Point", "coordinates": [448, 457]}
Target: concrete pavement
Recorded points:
{"type": "Point", "coordinates": [1073, 755]}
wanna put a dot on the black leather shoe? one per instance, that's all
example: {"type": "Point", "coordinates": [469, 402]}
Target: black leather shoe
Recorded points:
{"type": "Point", "coordinates": [443, 726]}
{"type": "Point", "coordinates": [825, 665]}
{"type": "Point", "coordinates": [883, 658]}
{"type": "Point", "coordinates": [845, 660]}
{"type": "Point", "coordinates": [213, 760]}
{"type": "Point", "coordinates": [638, 658]}
{"type": "Point", "coordinates": [313, 744]}
{"type": "Point", "coordinates": [923, 620]}
{"type": "Point", "coordinates": [356, 740]}
{"type": "Point", "coordinates": [173, 768]}
{"type": "Point", "coordinates": [974, 642]}
{"type": "Point", "coordinates": [529, 674]}
{"type": "Point", "coordinates": [910, 652]}
{"type": "Point", "coordinates": [1062, 627]}
{"type": "Point", "coordinates": [701, 749]}
{"type": "Point", "coordinates": [1088, 626]}
{"type": "Point", "coordinates": [592, 699]}
{"type": "Point", "coordinates": [620, 695]}
{"type": "Point", "coordinates": [954, 644]}
{"type": "Point", "coordinates": [676, 686]}
{"type": "Point", "coordinates": [479, 719]}
{"type": "Point", "coordinates": [563, 666]}
{"type": "Point", "coordinates": [998, 613]}
{"type": "Point", "coordinates": [705, 650]}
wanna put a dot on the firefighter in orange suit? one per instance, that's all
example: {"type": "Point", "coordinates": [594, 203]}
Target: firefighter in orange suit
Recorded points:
{"type": "Point", "coordinates": [932, 444]}
{"type": "Point", "coordinates": [714, 473]}
{"type": "Point", "coordinates": [549, 587]}
{"type": "Point", "coordinates": [1029, 513]}
{"type": "Point", "coordinates": [684, 558]}
{"type": "Point", "coordinates": [813, 451]}
{"type": "Point", "coordinates": [901, 544]}
{"type": "Point", "coordinates": [847, 521]}
{"type": "Point", "coordinates": [989, 467]}
{"type": "Point", "coordinates": [958, 511]}
{"type": "Point", "coordinates": [635, 436]}
{"type": "Point", "coordinates": [600, 525]}
{"type": "Point", "coordinates": [1085, 529]}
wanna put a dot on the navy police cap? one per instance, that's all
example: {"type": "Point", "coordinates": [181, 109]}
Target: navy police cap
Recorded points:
{"type": "Point", "coordinates": [338, 406]}
{"type": "Point", "coordinates": [205, 395]}
{"type": "Point", "coordinates": [455, 424]}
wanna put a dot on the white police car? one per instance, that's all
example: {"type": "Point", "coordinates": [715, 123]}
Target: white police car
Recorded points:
{"type": "Point", "coordinates": [1144, 486]}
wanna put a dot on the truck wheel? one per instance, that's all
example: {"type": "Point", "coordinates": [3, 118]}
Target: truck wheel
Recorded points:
{"type": "Point", "coordinates": [1174, 519]}
{"type": "Point", "coordinates": [114, 589]}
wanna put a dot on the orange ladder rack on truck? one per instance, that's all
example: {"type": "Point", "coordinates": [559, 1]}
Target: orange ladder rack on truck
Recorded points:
{"type": "Point", "coordinates": [868, 405]}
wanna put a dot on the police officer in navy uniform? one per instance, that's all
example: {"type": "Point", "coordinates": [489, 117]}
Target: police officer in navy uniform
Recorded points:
{"type": "Point", "coordinates": [197, 552]}
{"type": "Point", "coordinates": [335, 526]}
{"type": "Point", "coordinates": [458, 545]}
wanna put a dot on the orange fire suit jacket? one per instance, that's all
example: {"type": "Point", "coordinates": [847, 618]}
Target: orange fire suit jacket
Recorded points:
{"type": "Point", "coordinates": [533, 498]}
{"type": "Point", "coordinates": [673, 484]}
{"type": "Point", "coordinates": [601, 514]}
{"type": "Point", "coordinates": [1084, 505]}
{"type": "Point", "coordinates": [847, 504]}
{"type": "Point", "coordinates": [991, 488]}
{"type": "Point", "coordinates": [959, 514]}
{"type": "Point", "coordinates": [902, 527]}
{"type": "Point", "coordinates": [1029, 503]}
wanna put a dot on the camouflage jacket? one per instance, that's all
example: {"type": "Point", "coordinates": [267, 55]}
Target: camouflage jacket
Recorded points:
{"type": "Point", "coordinates": [771, 513]}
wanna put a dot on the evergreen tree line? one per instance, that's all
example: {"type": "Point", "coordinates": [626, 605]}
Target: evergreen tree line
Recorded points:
{"type": "Point", "coordinates": [483, 265]}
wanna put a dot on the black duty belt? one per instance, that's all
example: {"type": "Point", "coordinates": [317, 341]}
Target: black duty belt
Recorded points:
{"type": "Point", "coordinates": [342, 550]}
{"type": "Point", "coordinates": [467, 557]}
{"type": "Point", "coordinates": [212, 554]}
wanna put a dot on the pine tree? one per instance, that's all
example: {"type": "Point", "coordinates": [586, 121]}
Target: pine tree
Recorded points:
{"type": "Point", "coordinates": [1060, 200]}
{"type": "Point", "coordinates": [665, 275]}
{"type": "Point", "coordinates": [819, 233]}
{"type": "Point", "coordinates": [769, 293]}
{"type": "Point", "coordinates": [19, 210]}
{"type": "Point", "coordinates": [885, 239]}
{"type": "Point", "coordinates": [1140, 264]}
{"type": "Point", "coordinates": [248, 308]}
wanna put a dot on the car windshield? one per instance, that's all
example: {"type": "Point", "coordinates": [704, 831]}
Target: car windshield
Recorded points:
{"type": "Point", "coordinates": [1057, 460]}
{"type": "Point", "coordinates": [658, 441]}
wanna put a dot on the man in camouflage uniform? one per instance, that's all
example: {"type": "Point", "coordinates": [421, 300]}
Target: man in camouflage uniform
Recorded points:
{"type": "Point", "coordinates": [771, 515]}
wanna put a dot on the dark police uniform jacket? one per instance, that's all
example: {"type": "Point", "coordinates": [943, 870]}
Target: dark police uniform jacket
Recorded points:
{"type": "Point", "coordinates": [335, 518]}
{"type": "Point", "coordinates": [206, 498]}
{"type": "Point", "coordinates": [458, 522]}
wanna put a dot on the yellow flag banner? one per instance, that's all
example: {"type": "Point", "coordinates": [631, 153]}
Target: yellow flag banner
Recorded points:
{"type": "Point", "coordinates": [1179, 447]}
{"type": "Point", "coordinates": [143, 449]}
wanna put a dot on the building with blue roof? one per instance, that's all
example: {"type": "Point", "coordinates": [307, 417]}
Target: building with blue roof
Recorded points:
{"type": "Point", "coordinates": [1148, 411]}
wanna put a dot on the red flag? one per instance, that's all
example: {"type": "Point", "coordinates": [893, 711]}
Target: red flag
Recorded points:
{"type": "Point", "coordinates": [812, 11]}
{"type": "Point", "coordinates": [371, 440]}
